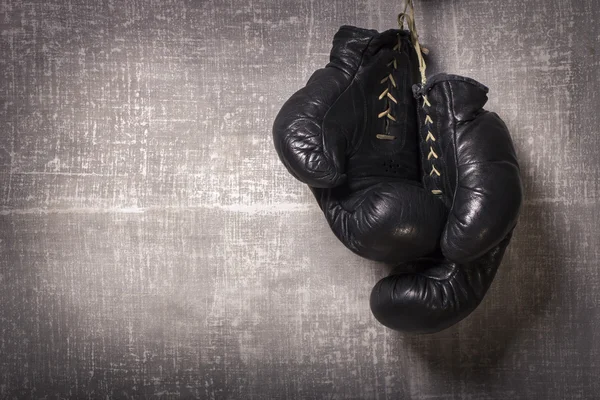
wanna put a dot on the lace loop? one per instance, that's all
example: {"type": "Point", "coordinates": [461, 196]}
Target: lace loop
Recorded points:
{"type": "Point", "coordinates": [408, 16]}
{"type": "Point", "coordinates": [387, 96]}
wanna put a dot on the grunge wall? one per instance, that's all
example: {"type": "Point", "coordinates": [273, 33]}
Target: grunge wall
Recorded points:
{"type": "Point", "coordinates": [152, 244]}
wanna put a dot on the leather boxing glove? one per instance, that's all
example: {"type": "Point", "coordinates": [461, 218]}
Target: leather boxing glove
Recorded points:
{"type": "Point", "coordinates": [425, 179]}
{"type": "Point", "coordinates": [351, 135]}
{"type": "Point", "coordinates": [469, 162]}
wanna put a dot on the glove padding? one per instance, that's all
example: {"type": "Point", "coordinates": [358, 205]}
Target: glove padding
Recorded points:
{"type": "Point", "coordinates": [417, 176]}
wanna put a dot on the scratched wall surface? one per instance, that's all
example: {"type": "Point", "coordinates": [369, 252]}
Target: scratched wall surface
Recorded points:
{"type": "Point", "coordinates": [151, 243]}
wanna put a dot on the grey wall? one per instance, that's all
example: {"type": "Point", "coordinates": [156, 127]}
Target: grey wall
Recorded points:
{"type": "Point", "coordinates": [151, 243]}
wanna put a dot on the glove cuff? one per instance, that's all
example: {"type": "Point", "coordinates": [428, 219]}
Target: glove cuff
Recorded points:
{"type": "Point", "coordinates": [350, 44]}
{"type": "Point", "coordinates": [469, 95]}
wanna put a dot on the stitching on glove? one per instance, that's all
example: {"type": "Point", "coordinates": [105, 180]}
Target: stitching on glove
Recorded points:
{"type": "Point", "coordinates": [385, 94]}
{"type": "Point", "coordinates": [426, 102]}
{"type": "Point", "coordinates": [385, 137]}
{"type": "Point", "coordinates": [433, 170]}
{"type": "Point", "coordinates": [431, 153]}
{"type": "Point", "coordinates": [409, 18]}
{"type": "Point", "coordinates": [391, 78]}
{"type": "Point", "coordinates": [430, 138]}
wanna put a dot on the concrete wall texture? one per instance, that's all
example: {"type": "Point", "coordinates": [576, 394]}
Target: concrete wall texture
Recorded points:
{"type": "Point", "coordinates": [152, 244]}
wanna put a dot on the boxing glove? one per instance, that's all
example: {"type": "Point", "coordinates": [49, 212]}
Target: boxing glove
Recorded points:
{"type": "Point", "coordinates": [405, 173]}
{"type": "Point", "coordinates": [469, 162]}
{"type": "Point", "coordinates": [351, 135]}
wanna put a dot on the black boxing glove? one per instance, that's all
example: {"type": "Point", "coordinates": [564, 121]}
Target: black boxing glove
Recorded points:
{"type": "Point", "coordinates": [425, 179]}
{"type": "Point", "coordinates": [352, 135]}
{"type": "Point", "coordinates": [469, 162]}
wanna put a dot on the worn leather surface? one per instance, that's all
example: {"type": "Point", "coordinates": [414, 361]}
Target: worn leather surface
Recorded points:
{"type": "Point", "coordinates": [439, 200]}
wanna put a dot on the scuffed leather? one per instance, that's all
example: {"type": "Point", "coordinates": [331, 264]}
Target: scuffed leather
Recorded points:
{"type": "Point", "coordinates": [377, 194]}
